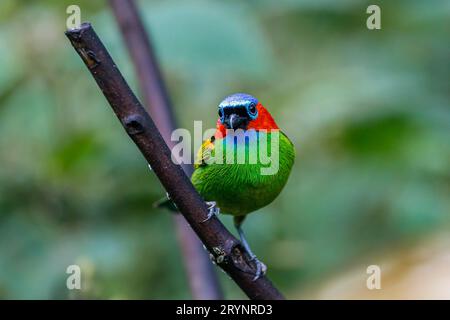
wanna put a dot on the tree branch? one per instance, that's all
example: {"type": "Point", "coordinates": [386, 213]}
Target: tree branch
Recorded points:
{"type": "Point", "coordinates": [201, 275]}
{"type": "Point", "coordinates": [224, 247]}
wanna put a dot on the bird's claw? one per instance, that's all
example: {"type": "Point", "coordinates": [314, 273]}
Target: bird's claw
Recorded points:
{"type": "Point", "coordinates": [213, 210]}
{"type": "Point", "coordinates": [261, 268]}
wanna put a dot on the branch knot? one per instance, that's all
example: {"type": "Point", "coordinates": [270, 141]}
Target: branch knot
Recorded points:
{"type": "Point", "coordinates": [134, 124]}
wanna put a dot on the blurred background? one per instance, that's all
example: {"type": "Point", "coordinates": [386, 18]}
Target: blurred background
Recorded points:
{"type": "Point", "coordinates": [368, 112]}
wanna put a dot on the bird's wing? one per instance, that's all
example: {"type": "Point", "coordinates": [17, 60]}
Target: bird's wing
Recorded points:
{"type": "Point", "coordinates": [205, 152]}
{"type": "Point", "coordinates": [287, 138]}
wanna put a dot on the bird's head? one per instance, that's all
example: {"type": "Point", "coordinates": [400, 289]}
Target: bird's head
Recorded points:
{"type": "Point", "coordinates": [243, 111]}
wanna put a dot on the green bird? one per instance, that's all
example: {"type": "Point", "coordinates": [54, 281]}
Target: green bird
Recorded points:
{"type": "Point", "coordinates": [245, 165]}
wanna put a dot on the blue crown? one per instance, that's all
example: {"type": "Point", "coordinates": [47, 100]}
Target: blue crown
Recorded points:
{"type": "Point", "coordinates": [238, 100]}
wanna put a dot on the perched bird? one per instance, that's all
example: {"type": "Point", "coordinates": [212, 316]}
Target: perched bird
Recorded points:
{"type": "Point", "coordinates": [240, 186]}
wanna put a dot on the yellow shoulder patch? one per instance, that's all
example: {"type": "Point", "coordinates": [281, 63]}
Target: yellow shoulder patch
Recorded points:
{"type": "Point", "coordinates": [204, 153]}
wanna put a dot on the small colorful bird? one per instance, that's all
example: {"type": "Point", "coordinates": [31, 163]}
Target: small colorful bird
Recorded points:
{"type": "Point", "coordinates": [239, 188]}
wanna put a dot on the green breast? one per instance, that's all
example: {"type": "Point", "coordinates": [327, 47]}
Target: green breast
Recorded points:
{"type": "Point", "coordinates": [245, 184]}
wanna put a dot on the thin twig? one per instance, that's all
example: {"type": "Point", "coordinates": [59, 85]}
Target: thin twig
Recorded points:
{"type": "Point", "coordinates": [201, 275]}
{"type": "Point", "coordinates": [224, 247]}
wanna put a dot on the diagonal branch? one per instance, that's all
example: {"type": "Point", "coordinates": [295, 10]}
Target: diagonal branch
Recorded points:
{"type": "Point", "coordinates": [202, 277]}
{"type": "Point", "coordinates": [224, 247]}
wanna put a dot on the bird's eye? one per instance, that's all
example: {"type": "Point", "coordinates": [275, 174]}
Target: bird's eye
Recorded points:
{"type": "Point", "coordinates": [221, 113]}
{"type": "Point", "coordinates": [252, 111]}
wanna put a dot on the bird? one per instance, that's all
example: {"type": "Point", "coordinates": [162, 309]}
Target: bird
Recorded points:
{"type": "Point", "coordinates": [240, 188]}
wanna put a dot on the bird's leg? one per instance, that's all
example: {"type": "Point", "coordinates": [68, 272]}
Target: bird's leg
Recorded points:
{"type": "Point", "coordinates": [213, 210]}
{"type": "Point", "coordinates": [260, 267]}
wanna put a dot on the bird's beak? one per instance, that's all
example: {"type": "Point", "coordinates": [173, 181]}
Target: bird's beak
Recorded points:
{"type": "Point", "coordinates": [231, 119]}
{"type": "Point", "coordinates": [235, 121]}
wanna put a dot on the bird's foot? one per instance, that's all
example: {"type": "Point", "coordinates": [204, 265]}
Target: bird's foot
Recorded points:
{"type": "Point", "coordinates": [150, 167]}
{"type": "Point", "coordinates": [261, 268]}
{"type": "Point", "coordinates": [213, 210]}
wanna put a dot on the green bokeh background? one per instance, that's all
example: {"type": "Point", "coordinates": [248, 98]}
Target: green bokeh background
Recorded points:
{"type": "Point", "coordinates": [368, 112]}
